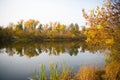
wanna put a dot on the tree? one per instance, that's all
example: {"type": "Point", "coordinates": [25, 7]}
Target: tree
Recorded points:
{"type": "Point", "coordinates": [11, 26]}
{"type": "Point", "coordinates": [19, 25]}
{"type": "Point", "coordinates": [31, 24]}
{"type": "Point", "coordinates": [76, 27]}
{"type": "Point", "coordinates": [63, 27]}
{"type": "Point", "coordinates": [71, 27]}
{"type": "Point", "coordinates": [40, 26]}
{"type": "Point", "coordinates": [103, 22]}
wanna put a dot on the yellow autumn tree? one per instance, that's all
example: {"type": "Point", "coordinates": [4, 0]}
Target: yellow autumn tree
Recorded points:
{"type": "Point", "coordinates": [103, 22]}
{"type": "Point", "coordinates": [31, 24]}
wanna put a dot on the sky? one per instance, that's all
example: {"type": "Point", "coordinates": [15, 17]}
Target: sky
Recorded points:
{"type": "Point", "coordinates": [64, 11]}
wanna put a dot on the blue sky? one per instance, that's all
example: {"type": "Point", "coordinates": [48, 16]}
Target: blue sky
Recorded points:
{"type": "Point", "coordinates": [64, 11]}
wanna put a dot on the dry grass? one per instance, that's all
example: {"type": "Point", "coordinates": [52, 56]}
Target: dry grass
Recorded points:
{"type": "Point", "coordinates": [86, 73]}
{"type": "Point", "coordinates": [113, 71]}
{"type": "Point", "coordinates": [110, 72]}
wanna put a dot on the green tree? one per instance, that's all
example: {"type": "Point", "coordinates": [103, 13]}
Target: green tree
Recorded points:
{"type": "Point", "coordinates": [76, 27]}
{"type": "Point", "coordinates": [19, 25]}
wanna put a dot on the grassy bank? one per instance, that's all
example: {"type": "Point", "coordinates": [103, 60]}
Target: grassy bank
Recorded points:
{"type": "Point", "coordinates": [109, 72]}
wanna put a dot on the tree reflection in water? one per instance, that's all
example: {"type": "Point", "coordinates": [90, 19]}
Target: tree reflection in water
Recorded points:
{"type": "Point", "coordinates": [112, 65]}
{"type": "Point", "coordinates": [51, 48]}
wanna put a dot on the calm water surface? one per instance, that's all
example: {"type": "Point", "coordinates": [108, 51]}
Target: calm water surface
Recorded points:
{"type": "Point", "coordinates": [19, 61]}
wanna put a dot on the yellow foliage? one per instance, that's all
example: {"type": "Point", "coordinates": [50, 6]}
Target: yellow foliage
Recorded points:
{"type": "Point", "coordinates": [99, 26]}
{"type": "Point", "coordinates": [88, 40]}
{"type": "Point", "coordinates": [109, 41]}
{"type": "Point", "coordinates": [31, 23]}
{"type": "Point", "coordinates": [85, 33]}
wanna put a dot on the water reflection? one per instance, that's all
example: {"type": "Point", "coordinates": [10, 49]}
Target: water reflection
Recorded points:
{"type": "Point", "coordinates": [51, 48]}
{"type": "Point", "coordinates": [18, 60]}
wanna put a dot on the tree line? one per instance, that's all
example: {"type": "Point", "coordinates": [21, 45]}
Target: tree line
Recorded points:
{"type": "Point", "coordinates": [33, 30]}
